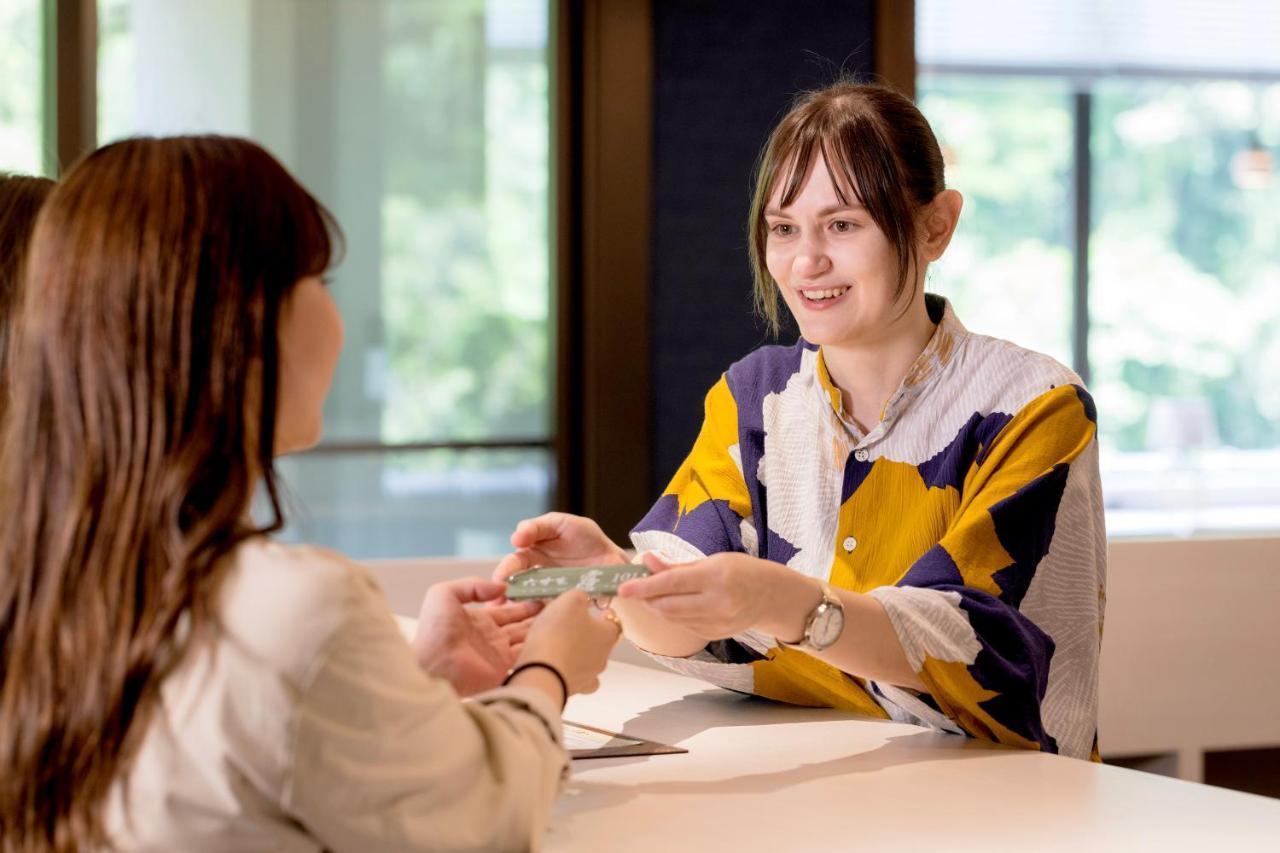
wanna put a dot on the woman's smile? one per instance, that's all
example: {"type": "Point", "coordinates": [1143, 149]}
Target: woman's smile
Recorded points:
{"type": "Point", "coordinates": [822, 299]}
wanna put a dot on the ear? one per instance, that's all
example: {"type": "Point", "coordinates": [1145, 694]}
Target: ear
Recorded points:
{"type": "Point", "coordinates": [937, 224]}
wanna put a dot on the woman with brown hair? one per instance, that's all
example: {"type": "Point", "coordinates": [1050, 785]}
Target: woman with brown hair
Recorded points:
{"type": "Point", "coordinates": [893, 515]}
{"type": "Point", "coordinates": [20, 200]}
{"type": "Point", "coordinates": [172, 678]}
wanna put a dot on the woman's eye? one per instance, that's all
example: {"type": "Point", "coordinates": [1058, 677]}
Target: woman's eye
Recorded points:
{"type": "Point", "coordinates": [782, 229]}
{"type": "Point", "coordinates": [843, 226]}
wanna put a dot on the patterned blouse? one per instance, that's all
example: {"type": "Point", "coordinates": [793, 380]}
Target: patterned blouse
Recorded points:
{"type": "Point", "coordinates": [972, 512]}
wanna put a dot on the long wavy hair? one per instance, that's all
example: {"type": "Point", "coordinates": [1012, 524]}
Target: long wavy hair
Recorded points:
{"type": "Point", "coordinates": [142, 417]}
{"type": "Point", "coordinates": [20, 200]}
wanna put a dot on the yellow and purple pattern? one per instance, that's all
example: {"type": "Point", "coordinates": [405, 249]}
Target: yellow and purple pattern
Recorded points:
{"type": "Point", "coordinates": [972, 511]}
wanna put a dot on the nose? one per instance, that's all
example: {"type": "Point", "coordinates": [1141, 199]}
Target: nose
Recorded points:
{"type": "Point", "coordinates": [811, 259]}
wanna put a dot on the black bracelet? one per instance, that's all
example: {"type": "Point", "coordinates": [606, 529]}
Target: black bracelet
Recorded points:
{"type": "Point", "coordinates": [564, 685]}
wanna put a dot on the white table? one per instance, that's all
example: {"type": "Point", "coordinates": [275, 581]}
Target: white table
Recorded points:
{"type": "Point", "coordinates": [764, 776]}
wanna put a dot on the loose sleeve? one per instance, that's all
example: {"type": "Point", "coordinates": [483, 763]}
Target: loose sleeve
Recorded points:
{"type": "Point", "coordinates": [1002, 618]}
{"type": "Point", "coordinates": [706, 508]}
{"type": "Point", "coordinates": [387, 758]}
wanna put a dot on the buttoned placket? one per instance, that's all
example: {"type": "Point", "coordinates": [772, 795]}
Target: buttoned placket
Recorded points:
{"type": "Point", "coordinates": [898, 403]}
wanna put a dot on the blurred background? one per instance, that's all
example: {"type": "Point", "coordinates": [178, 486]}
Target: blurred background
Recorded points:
{"type": "Point", "coordinates": [1122, 213]}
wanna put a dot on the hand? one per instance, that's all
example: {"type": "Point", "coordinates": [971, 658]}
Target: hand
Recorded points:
{"type": "Point", "coordinates": [471, 647]}
{"type": "Point", "coordinates": [726, 594]}
{"type": "Point", "coordinates": [558, 539]}
{"type": "Point", "coordinates": [574, 640]}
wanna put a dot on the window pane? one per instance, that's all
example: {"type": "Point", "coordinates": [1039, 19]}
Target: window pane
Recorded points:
{"type": "Point", "coordinates": [1100, 36]}
{"type": "Point", "coordinates": [1007, 142]}
{"type": "Point", "coordinates": [21, 90]}
{"type": "Point", "coordinates": [424, 126]}
{"type": "Point", "coordinates": [464, 210]}
{"type": "Point", "coordinates": [428, 503]}
{"type": "Point", "coordinates": [1185, 303]}
{"type": "Point", "coordinates": [117, 85]}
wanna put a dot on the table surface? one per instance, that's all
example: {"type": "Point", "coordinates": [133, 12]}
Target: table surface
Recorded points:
{"type": "Point", "coordinates": [765, 776]}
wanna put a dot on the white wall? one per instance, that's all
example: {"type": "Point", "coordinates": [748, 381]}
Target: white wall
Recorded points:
{"type": "Point", "coordinates": [1191, 648]}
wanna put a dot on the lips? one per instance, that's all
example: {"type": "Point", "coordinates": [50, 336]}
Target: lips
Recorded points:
{"type": "Point", "coordinates": [817, 298]}
{"type": "Point", "coordinates": [814, 295]}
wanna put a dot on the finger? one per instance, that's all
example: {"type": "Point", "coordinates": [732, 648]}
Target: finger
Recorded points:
{"type": "Point", "coordinates": [574, 598]}
{"type": "Point", "coordinates": [517, 632]}
{"type": "Point", "coordinates": [514, 611]}
{"type": "Point", "coordinates": [688, 580]}
{"type": "Point", "coordinates": [524, 559]}
{"type": "Point", "coordinates": [510, 564]}
{"type": "Point", "coordinates": [531, 531]}
{"type": "Point", "coordinates": [472, 590]}
{"type": "Point", "coordinates": [616, 623]}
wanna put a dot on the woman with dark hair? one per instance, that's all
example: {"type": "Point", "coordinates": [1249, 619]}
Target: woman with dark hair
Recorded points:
{"type": "Point", "coordinates": [894, 515]}
{"type": "Point", "coordinates": [20, 200]}
{"type": "Point", "coordinates": [172, 678]}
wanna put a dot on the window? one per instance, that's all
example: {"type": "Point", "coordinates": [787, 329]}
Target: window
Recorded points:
{"type": "Point", "coordinates": [21, 102]}
{"type": "Point", "coordinates": [1157, 130]}
{"type": "Point", "coordinates": [424, 125]}
{"type": "Point", "coordinates": [1007, 147]}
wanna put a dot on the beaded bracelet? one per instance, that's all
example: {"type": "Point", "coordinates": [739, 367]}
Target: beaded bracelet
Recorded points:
{"type": "Point", "coordinates": [564, 685]}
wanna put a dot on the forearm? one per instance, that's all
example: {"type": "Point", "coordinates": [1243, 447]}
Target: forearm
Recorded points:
{"type": "Point", "coordinates": [867, 648]}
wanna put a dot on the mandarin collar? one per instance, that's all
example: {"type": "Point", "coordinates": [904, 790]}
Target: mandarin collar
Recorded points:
{"type": "Point", "coordinates": [948, 333]}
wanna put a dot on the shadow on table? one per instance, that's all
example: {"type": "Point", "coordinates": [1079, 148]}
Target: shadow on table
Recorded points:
{"type": "Point", "coordinates": [679, 720]}
{"type": "Point", "coordinates": [925, 746]}
{"type": "Point", "coordinates": [714, 708]}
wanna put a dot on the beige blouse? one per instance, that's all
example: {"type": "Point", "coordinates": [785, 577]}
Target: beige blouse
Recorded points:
{"type": "Point", "coordinates": [308, 725]}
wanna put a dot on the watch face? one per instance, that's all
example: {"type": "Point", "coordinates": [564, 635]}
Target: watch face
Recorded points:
{"type": "Point", "coordinates": [826, 627]}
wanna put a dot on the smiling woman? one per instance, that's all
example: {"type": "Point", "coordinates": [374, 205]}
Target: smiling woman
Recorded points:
{"type": "Point", "coordinates": [891, 515]}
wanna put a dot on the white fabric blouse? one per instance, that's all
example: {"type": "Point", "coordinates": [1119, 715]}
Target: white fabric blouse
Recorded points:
{"type": "Point", "coordinates": [308, 725]}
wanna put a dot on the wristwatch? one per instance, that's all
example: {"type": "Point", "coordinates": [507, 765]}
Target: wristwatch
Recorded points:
{"type": "Point", "coordinates": [825, 623]}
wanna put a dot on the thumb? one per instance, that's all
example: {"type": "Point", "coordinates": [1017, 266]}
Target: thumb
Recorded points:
{"type": "Point", "coordinates": [472, 590]}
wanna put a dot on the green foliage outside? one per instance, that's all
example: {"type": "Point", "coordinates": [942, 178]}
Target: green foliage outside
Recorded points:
{"type": "Point", "coordinates": [1185, 272]}
{"type": "Point", "coordinates": [1184, 277]}
{"type": "Point", "coordinates": [465, 247]}
{"type": "Point", "coordinates": [1008, 146]}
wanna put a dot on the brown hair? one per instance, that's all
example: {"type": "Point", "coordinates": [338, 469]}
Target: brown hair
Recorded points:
{"type": "Point", "coordinates": [20, 200]}
{"type": "Point", "coordinates": [142, 415]}
{"type": "Point", "coordinates": [876, 145]}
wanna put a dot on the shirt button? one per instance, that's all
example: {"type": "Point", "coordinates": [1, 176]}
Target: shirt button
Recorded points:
{"type": "Point", "coordinates": [850, 543]}
{"type": "Point", "coordinates": [861, 455]}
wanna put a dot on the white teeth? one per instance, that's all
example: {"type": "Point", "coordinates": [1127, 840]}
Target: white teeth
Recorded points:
{"type": "Point", "coordinates": [819, 295]}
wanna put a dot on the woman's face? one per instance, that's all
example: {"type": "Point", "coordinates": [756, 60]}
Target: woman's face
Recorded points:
{"type": "Point", "coordinates": [836, 269]}
{"type": "Point", "coordinates": [310, 340]}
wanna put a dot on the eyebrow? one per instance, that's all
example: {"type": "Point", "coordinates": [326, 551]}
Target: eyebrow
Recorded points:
{"type": "Point", "coordinates": [826, 211]}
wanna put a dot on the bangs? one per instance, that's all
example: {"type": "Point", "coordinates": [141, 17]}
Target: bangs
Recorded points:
{"type": "Point", "coordinates": [857, 158]}
{"type": "Point", "coordinates": [799, 160]}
